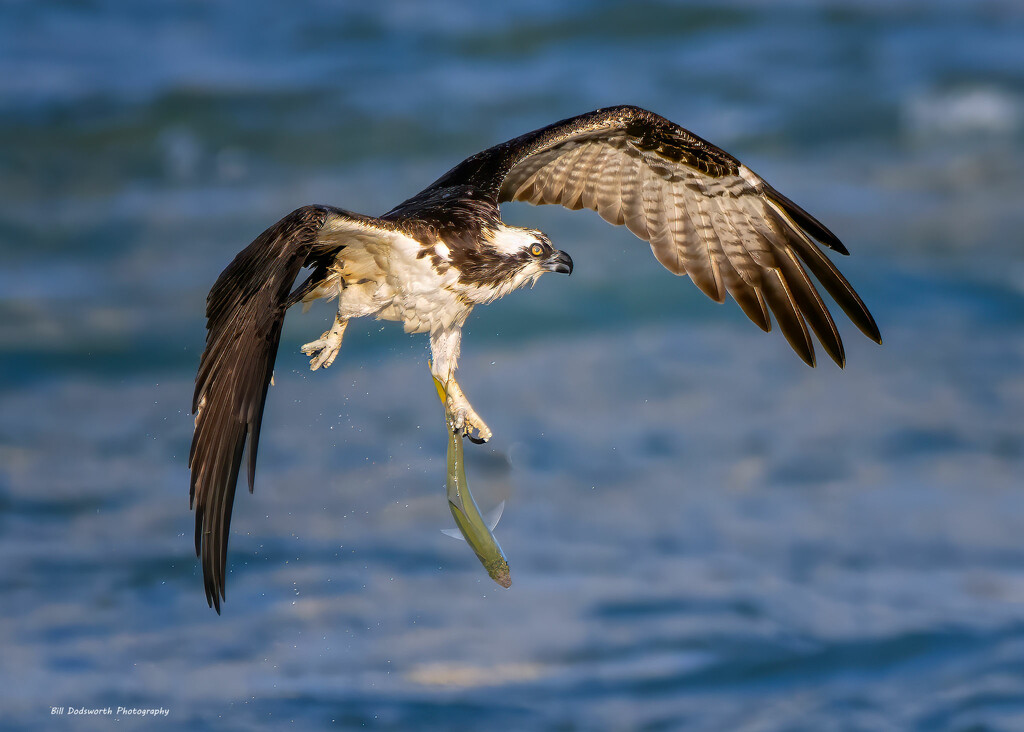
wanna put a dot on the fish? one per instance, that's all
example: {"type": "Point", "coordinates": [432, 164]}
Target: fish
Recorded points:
{"type": "Point", "coordinates": [491, 519]}
{"type": "Point", "coordinates": [477, 532]}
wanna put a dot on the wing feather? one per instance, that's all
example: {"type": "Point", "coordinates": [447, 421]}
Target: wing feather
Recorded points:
{"type": "Point", "coordinates": [703, 213]}
{"type": "Point", "coordinates": [608, 186]}
{"type": "Point", "coordinates": [810, 304]}
{"type": "Point", "coordinates": [245, 312]}
{"type": "Point", "coordinates": [600, 161]}
{"type": "Point", "coordinates": [836, 285]}
{"type": "Point", "coordinates": [557, 187]}
{"type": "Point", "coordinates": [659, 233]}
{"type": "Point", "coordinates": [631, 182]}
{"type": "Point", "coordinates": [788, 316]}
{"type": "Point", "coordinates": [750, 299]}
{"type": "Point", "coordinates": [706, 246]}
{"type": "Point", "coordinates": [747, 251]}
{"type": "Point", "coordinates": [575, 184]}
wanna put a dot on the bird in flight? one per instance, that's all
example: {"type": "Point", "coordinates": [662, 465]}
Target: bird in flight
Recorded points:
{"type": "Point", "coordinates": [430, 260]}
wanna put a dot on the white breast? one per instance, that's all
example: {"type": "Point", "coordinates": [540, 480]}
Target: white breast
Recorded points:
{"type": "Point", "coordinates": [389, 281]}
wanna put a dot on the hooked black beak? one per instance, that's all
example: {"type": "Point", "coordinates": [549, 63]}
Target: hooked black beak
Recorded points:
{"type": "Point", "coordinates": [559, 262]}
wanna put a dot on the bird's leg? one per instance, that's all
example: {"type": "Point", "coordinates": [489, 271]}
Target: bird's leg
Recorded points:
{"type": "Point", "coordinates": [325, 350]}
{"type": "Point", "coordinates": [444, 346]}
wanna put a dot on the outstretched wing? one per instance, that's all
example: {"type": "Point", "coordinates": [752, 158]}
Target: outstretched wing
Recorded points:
{"type": "Point", "coordinates": [245, 311]}
{"type": "Point", "coordinates": [703, 212]}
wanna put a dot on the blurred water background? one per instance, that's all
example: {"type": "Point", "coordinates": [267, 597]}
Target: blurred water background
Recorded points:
{"type": "Point", "coordinates": [704, 534]}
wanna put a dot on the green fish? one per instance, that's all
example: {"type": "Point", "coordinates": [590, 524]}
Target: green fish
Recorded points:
{"type": "Point", "coordinates": [464, 509]}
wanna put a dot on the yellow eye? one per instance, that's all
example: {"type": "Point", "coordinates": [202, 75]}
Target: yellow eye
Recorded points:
{"type": "Point", "coordinates": [536, 250]}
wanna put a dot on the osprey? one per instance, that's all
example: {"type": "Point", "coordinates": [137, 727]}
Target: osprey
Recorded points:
{"type": "Point", "coordinates": [430, 260]}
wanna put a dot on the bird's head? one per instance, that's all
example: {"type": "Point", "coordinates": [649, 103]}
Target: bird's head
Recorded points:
{"type": "Point", "coordinates": [529, 253]}
{"type": "Point", "coordinates": [504, 259]}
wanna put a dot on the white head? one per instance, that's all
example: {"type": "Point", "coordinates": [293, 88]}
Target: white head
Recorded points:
{"type": "Point", "coordinates": [505, 259]}
{"type": "Point", "coordinates": [527, 254]}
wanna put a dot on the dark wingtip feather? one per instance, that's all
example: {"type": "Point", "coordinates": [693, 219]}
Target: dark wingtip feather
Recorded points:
{"type": "Point", "coordinates": [870, 328]}
{"type": "Point", "coordinates": [787, 315]}
{"type": "Point", "coordinates": [837, 286]}
{"type": "Point", "coordinates": [752, 304]}
{"type": "Point", "coordinates": [806, 222]}
{"type": "Point", "coordinates": [807, 300]}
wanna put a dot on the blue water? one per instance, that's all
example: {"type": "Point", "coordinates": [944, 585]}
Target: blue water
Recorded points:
{"type": "Point", "coordinates": [704, 534]}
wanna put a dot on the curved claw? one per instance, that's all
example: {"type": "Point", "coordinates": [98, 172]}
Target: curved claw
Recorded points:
{"type": "Point", "coordinates": [323, 353]}
{"type": "Point", "coordinates": [466, 421]}
{"type": "Point", "coordinates": [471, 423]}
{"type": "Point", "coordinates": [325, 350]}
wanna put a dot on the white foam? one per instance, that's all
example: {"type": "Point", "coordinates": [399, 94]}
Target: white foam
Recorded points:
{"type": "Point", "coordinates": [977, 110]}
